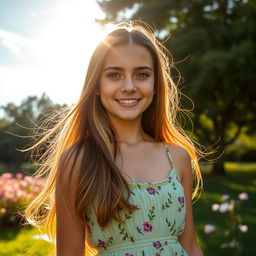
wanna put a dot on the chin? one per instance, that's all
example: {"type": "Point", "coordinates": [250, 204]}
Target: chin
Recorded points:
{"type": "Point", "coordinates": [126, 117]}
{"type": "Point", "coordinates": [129, 118]}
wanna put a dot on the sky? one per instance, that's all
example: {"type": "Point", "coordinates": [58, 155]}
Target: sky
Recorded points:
{"type": "Point", "coordinates": [45, 46]}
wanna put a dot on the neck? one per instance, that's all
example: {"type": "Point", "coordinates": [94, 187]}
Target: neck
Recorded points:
{"type": "Point", "coordinates": [129, 132]}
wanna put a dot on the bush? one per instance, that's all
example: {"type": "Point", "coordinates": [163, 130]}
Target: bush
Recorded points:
{"type": "Point", "coordinates": [15, 193]}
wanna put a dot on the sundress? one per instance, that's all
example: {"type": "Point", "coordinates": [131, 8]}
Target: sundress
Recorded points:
{"type": "Point", "coordinates": [152, 230]}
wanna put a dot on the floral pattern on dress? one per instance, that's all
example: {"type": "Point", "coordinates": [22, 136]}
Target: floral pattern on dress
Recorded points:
{"type": "Point", "coordinates": [147, 226]}
{"type": "Point", "coordinates": [167, 204]}
{"type": "Point", "coordinates": [163, 197]}
{"type": "Point", "coordinates": [103, 244]}
{"type": "Point", "coordinates": [171, 181]}
{"type": "Point", "coordinates": [181, 200]}
{"type": "Point", "coordinates": [171, 226]}
{"type": "Point", "coordinates": [159, 246]}
{"type": "Point", "coordinates": [122, 230]}
{"type": "Point", "coordinates": [153, 191]}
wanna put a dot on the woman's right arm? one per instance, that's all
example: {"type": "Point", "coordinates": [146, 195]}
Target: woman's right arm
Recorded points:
{"type": "Point", "coordinates": [70, 232]}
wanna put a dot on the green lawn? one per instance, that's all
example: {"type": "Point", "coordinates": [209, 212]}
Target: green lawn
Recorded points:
{"type": "Point", "coordinates": [19, 242]}
{"type": "Point", "coordinates": [241, 178]}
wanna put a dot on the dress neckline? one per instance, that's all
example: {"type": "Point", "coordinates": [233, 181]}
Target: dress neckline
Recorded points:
{"type": "Point", "coordinates": [153, 183]}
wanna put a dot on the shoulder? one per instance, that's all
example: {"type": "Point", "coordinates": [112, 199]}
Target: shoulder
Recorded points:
{"type": "Point", "coordinates": [69, 162]}
{"type": "Point", "coordinates": [179, 152]}
{"type": "Point", "coordinates": [181, 158]}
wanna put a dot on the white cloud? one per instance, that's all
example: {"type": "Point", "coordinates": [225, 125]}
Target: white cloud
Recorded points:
{"type": "Point", "coordinates": [54, 59]}
{"type": "Point", "coordinates": [12, 46]}
{"type": "Point", "coordinates": [14, 42]}
{"type": "Point", "coordinates": [16, 84]}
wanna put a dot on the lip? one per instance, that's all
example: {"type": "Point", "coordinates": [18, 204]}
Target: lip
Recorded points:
{"type": "Point", "coordinates": [132, 104]}
{"type": "Point", "coordinates": [128, 99]}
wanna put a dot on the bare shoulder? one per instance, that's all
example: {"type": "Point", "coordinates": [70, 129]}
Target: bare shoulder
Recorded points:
{"type": "Point", "coordinates": [69, 162]}
{"type": "Point", "coordinates": [179, 151]}
{"type": "Point", "coordinates": [182, 160]}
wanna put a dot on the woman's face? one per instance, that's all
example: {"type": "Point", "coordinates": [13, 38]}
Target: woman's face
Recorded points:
{"type": "Point", "coordinates": [126, 84]}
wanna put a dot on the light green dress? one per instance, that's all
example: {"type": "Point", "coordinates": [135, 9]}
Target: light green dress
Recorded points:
{"type": "Point", "coordinates": [152, 230]}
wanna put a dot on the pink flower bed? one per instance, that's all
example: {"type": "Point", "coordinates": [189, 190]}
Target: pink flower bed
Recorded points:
{"type": "Point", "coordinates": [15, 193]}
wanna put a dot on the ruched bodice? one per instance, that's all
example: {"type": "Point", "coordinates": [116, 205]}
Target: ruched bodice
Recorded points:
{"type": "Point", "coordinates": [151, 230]}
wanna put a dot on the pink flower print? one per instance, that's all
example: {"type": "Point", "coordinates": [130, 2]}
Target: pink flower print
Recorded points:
{"type": "Point", "coordinates": [147, 227]}
{"type": "Point", "coordinates": [159, 187]}
{"type": "Point", "coordinates": [153, 207]}
{"type": "Point", "coordinates": [181, 199]}
{"type": "Point", "coordinates": [179, 209]}
{"type": "Point", "coordinates": [151, 191]}
{"type": "Point", "coordinates": [128, 254]}
{"type": "Point", "coordinates": [157, 254]}
{"type": "Point", "coordinates": [165, 242]}
{"type": "Point", "coordinates": [157, 244]}
{"type": "Point", "coordinates": [101, 243]}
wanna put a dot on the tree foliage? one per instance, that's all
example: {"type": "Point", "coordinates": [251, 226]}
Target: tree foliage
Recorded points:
{"type": "Point", "coordinates": [219, 39]}
{"type": "Point", "coordinates": [18, 125]}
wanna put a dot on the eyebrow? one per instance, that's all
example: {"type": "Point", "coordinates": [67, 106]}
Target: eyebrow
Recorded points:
{"type": "Point", "coordinates": [119, 68]}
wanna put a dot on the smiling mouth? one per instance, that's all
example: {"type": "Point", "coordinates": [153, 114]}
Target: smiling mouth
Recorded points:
{"type": "Point", "coordinates": [127, 102]}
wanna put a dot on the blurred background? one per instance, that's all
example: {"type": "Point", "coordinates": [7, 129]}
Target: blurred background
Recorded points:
{"type": "Point", "coordinates": [44, 50]}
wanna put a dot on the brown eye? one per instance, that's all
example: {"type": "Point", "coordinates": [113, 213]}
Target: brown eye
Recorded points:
{"type": "Point", "coordinates": [113, 75]}
{"type": "Point", "coordinates": [143, 75]}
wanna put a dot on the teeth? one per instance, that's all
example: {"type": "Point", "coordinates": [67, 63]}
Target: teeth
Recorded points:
{"type": "Point", "coordinates": [127, 101]}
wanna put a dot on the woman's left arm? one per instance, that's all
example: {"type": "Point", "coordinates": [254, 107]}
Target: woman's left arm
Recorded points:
{"type": "Point", "coordinates": [188, 237]}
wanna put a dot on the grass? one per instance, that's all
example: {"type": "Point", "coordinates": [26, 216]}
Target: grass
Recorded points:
{"type": "Point", "coordinates": [240, 178]}
{"type": "Point", "coordinates": [19, 242]}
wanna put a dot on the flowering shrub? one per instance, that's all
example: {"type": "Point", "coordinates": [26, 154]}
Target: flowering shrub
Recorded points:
{"type": "Point", "coordinates": [228, 207]}
{"type": "Point", "coordinates": [15, 193]}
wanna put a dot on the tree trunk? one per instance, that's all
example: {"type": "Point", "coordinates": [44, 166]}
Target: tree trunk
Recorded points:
{"type": "Point", "coordinates": [218, 166]}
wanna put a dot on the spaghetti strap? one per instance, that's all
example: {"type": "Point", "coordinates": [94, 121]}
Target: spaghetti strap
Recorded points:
{"type": "Point", "coordinates": [168, 153]}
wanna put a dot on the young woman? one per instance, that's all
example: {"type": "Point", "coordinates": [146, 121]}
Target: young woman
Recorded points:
{"type": "Point", "coordinates": [119, 167]}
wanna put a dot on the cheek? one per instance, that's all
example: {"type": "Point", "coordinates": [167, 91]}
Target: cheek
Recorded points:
{"type": "Point", "coordinates": [148, 88]}
{"type": "Point", "coordinates": [106, 89]}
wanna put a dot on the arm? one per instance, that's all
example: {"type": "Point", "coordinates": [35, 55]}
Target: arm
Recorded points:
{"type": "Point", "coordinates": [188, 237]}
{"type": "Point", "coordinates": [70, 232]}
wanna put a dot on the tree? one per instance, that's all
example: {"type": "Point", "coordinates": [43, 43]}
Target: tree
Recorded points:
{"type": "Point", "coordinates": [219, 38]}
{"type": "Point", "coordinates": [17, 127]}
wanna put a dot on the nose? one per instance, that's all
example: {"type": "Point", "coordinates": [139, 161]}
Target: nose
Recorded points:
{"type": "Point", "coordinates": [129, 85]}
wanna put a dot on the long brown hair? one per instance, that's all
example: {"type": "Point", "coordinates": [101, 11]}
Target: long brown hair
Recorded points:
{"type": "Point", "coordinates": [87, 129]}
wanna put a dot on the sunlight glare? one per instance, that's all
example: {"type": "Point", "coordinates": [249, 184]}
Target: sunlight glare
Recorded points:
{"type": "Point", "coordinates": [64, 46]}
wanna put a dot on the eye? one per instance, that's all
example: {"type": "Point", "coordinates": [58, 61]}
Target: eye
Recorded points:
{"type": "Point", "coordinates": [143, 75]}
{"type": "Point", "coordinates": [113, 75]}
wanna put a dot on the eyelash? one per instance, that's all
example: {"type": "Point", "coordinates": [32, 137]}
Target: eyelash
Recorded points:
{"type": "Point", "coordinates": [142, 75]}
{"type": "Point", "coordinates": [112, 75]}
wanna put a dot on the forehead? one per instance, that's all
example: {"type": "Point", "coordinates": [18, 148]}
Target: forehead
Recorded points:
{"type": "Point", "coordinates": [128, 55]}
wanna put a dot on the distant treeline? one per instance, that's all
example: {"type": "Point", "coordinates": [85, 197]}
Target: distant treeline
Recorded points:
{"type": "Point", "coordinates": [19, 129]}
